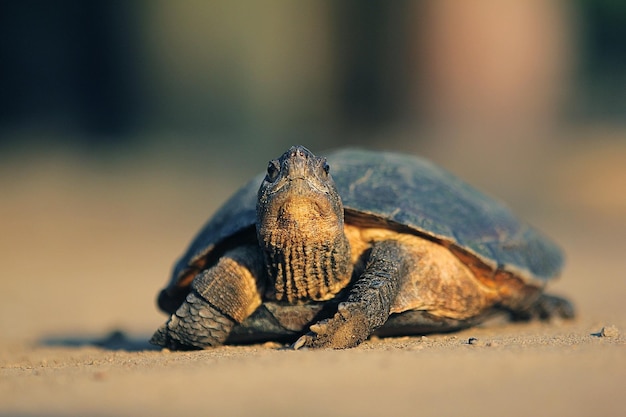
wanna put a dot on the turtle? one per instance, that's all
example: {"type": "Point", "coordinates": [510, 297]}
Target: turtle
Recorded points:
{"type": "Point", "coordinates": [386, 244]}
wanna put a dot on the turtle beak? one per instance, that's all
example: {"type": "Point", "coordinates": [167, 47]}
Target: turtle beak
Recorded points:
{"type": "Point", "coordinates": [296, 163]}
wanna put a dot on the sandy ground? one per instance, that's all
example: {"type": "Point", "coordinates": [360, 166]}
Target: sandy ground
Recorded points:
{"type": "Point", "coordinates": [85, 249]}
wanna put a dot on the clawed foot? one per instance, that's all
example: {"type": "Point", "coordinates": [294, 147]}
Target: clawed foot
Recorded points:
{"type": "Point", "coordinates": [545, 308]}
{"type": "Point", "coordinates": [346, 329]}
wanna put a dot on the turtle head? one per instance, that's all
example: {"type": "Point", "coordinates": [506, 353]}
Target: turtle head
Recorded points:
{"type": "Point", "coordinates": [302, 179]}
{"type": "Point", "coordinates": [300, 227]}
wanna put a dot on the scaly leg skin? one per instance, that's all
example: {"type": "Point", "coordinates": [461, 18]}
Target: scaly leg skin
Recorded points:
{"type": "Point", "coordinates": [545, 308]}
{"type": "Point", "coordinates": [195, 325]}
{"type": "Point", "coordinates": [220, 297]}
{"type": "Point", "coordinates": [367, 306]}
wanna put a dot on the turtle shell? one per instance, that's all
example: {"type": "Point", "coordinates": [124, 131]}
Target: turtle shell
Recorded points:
{"type": "Point", "coordinates": [405, 193]}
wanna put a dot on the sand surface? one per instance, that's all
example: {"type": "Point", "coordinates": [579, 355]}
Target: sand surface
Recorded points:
{"type": "Point", "coordinates": [86, 248]}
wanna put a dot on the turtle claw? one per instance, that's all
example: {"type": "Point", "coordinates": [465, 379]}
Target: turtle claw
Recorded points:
{"type": "Point", "coordinates": [321, 327]}
{"type": "Point", "coordinates": [302, 342]}
{"type": "Point", "coordinates": [311, 340]}
{"type": "Point", "coordinates": [345, 329]}
{"type": "Point", "coordinates": [318, 337]}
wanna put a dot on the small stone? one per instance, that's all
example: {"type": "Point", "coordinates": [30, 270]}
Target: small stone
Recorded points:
{"type": "Point", "coordinates": [475, 342]}
{"type": "Point", "coordinates": [609, 331]}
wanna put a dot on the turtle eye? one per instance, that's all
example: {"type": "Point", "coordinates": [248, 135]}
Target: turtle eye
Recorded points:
{"type": "Point", "coordinates": [326, 168]}
{"type": "Point", "coordinates": [273, 168]}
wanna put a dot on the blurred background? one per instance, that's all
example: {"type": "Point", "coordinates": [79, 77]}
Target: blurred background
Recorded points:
{"type": "Point", "coordinates": [123, 125]}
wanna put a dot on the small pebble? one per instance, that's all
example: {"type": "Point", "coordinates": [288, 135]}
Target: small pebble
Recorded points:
{"type": "Point", "coordinates": [609, 331]}
{"type": "Point", "coordinates": [475, 342]}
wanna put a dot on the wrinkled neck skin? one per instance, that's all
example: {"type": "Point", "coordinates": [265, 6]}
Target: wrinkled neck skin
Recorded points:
{"type": "Point", "coordinates": [306, 252]}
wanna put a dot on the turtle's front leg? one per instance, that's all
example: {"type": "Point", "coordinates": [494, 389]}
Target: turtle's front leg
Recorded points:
{"type": "Point", "coordinates": [368, 304]}
{"type": "Point", "coordinates": [220, 297]}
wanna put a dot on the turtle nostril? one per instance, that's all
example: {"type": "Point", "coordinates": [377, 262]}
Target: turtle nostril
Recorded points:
{"type": "Point", "coordinates": [299, 152]}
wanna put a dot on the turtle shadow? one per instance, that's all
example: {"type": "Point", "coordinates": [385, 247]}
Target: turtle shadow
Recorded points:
{"type": "Point", "coordinates": [114, 341]}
